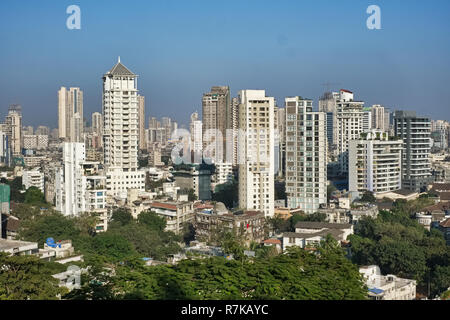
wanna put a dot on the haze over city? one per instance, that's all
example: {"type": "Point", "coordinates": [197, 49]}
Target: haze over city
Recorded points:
{"type": "Point", "coordinates": [180, 48]}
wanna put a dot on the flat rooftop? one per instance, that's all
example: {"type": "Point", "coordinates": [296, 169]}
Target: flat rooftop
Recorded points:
{"type": "Point", "coordinates": [11, 244]}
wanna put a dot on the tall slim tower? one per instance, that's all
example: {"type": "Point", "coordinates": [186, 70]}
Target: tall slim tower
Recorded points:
{"type": "Point", "coordinates": [121, 118]}
{"type": "Point", "coordinates": [97, 123]}
{"type": "Point", "coordinates": [415, 132]}
{"type": "Point", "coordinates": [256, 151]}
{"type": "Point", "coordinates": [216, 109]}
{"type": "Point", "coordinates": [13, 128]}
{"type": "Point", "coordinates": [378, 118]}
{"type": "Point", "coordinates": [306, 155]}
{"type": "Point", "coordinates": [70, 114]}
{"type": "Point", "coordinates": [141, 105]}
{"type": "Point", "coordinates": [350, 124]}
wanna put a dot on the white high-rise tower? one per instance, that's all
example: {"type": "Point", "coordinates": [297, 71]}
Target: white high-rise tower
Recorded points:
{"type": "Point", "coordinates": [256, 151]}
{"type": "Point", "coordinates": [121, 118]}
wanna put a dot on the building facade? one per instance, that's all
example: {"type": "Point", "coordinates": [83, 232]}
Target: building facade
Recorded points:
{"type": "Point", "coordinates": [376, 162]}
{"type": "Point", "coordinates": [256, 151]}
{"type": "Point", "coordinates": [306, 154]}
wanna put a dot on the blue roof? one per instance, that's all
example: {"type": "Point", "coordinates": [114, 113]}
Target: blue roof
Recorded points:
{"type": "Point", "coordinates": [376, 290]}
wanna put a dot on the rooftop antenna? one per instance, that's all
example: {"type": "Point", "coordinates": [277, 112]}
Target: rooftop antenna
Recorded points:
{"type": "Point", "coordinates": [118, 60]}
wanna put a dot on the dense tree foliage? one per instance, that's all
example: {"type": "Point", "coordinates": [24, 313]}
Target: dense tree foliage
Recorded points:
{"type": "Point", "coordinates": [26, 277]}
{"type": "Point", "coordinates": [34, 196]}
{"type": "Point", "coordinates": [122, 216]}
{"type": "Point", "coordinates": [282, 225]}
{"type": "Point", "coordinates": [368, 197]}
{"type": "Point", "coordinates": [297, 275]}
{"type": "Point", "coordinates": [399, 245]}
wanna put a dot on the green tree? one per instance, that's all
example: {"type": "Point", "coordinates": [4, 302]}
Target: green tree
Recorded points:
{"type": "Point", "coordinates": [122, 216]}
{"type": "Point", "coordinates": [112, 246]}
{"type": "Point", "coordinates": [25, 277]}
{"type": "Point", "coordinates": [368, 197]}
{"type": "Point", "coordinates": [34, 196]}
{"type": "Point", "coordinates": [152, 220]}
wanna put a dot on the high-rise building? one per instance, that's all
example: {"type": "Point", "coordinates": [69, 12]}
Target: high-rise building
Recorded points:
{"type": "Point", "coordinates": [328, 104]}
{"type": "Point", "coordinates": [216, 115]}
{"type": "Point", "coordinates": [70, 114]}
{"type": "Point", "coordinates": [415, 132]}
{"type": "Point", "coordinates": [70, 183]}
{"type": "Point", "coordinates": [120, 116]}
{"type": "Point", "coordinates": [306, 155]}
{"type": "Point", "coordinates": [350, 118]}
{"type": "Point", "coordinates": [196, 127]}
{"type": "Point", "coordinates": [13, 128]}
{"type": "Point", "coordinates": [42, 130]}
{"type": "Point", "coordinates": [232, 133]}
{"type": "Point", "coordinates": [281, 127]}
{"type": "Point", "coordinates": [376, 162]}
{"type": "Point", "coordinates": [256, 151]}
{"type": "Point", "coordinates": [141, 114]}
{"type": "Point", "coordinates": [379, 118]}
{"type": "Point", "coordinates": [367, 119]}
{"type": "Point", "coordinates": [97, 123]}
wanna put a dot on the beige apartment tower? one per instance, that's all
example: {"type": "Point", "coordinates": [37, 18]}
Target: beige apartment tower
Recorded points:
{"type": "Point", "coordinates": [256, 156]}
{"type": "Point", "coordinates": [216, 118]}
{"type": "Point", "coordinates": [70, 114]}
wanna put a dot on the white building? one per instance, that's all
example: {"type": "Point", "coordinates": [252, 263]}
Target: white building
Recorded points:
{"type": "Point", "coordinates": [119, 181]}
{"type": "Point", "coordinates": [415, 132]}
{"type": "Point", "coordinates": [306, 154]}
{"type": "Point", "coordinates": [312, 233]}
{"type": "Point", "coordinates": [121, 118]}
{"type": "Point", "coordinates": [376, 162]}
{"type": "Point", "coordinates": [387, 287]}
{"type": "Point", "coordinates": [224, 172]}
{"type": "Point", "coordinates": [70, 182]}
{"type": "Point", "coordinates": [33, 178]}
{"type": "Point", "coordinates": [256, 151]}
{"type": "Point", "coordinates": [196, 136]}
{"type": "Point", "coordinates": [350, 118]}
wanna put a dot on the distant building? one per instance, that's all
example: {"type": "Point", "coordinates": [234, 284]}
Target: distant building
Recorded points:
{"type": "Point", "coordinates": [177, 214]}
{"type": "Point", "coordinates": [376, 162]}
{"type": "Point", "coordinates": [247, 225]}
{"type": "Point", "coordinates": [444, 226]}
{"type": "Point", "coordinates": [33, 178]}
{"type": "Point", "coordinates": [311, 233]}
{"type": "Point", "coordinates": [415, 132]}
{"type": "Point", "coordinates": [387, 287]}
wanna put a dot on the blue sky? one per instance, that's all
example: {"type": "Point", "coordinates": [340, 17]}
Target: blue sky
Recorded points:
{"type": "Point", "coordinates": [180, 49]}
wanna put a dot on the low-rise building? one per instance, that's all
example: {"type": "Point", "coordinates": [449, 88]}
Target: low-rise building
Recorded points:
{"type": "Point", "coordinates": [444, 227]}
{"type": "Point", "coordinates": [247, 225]}
{"type": "Point", "coordinates": [432, 215]}
{"type": "Point", "coordinates": [387, 287]}
{"type": "Point", "coordinates": [312, 233]}
{"type": "Point", "coordinates": [19, 248]}
{"type": "Point", "coordinates": [177, 214]}
{"type": "Point", "coordinates": [33, 178]}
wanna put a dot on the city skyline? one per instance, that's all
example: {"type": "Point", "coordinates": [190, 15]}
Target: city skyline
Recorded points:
{"type": "Point", "coordinates": [401, 66]}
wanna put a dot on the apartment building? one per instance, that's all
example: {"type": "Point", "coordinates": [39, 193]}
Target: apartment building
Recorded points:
{"type": "Point", "coordinates": [376, 162]}
{"type": "Point", "coordinates": [306, 155]}
{"type": "Point", "coordinates": [256, 151]}
{"type": "Point", "coordinates": [415, 132]}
